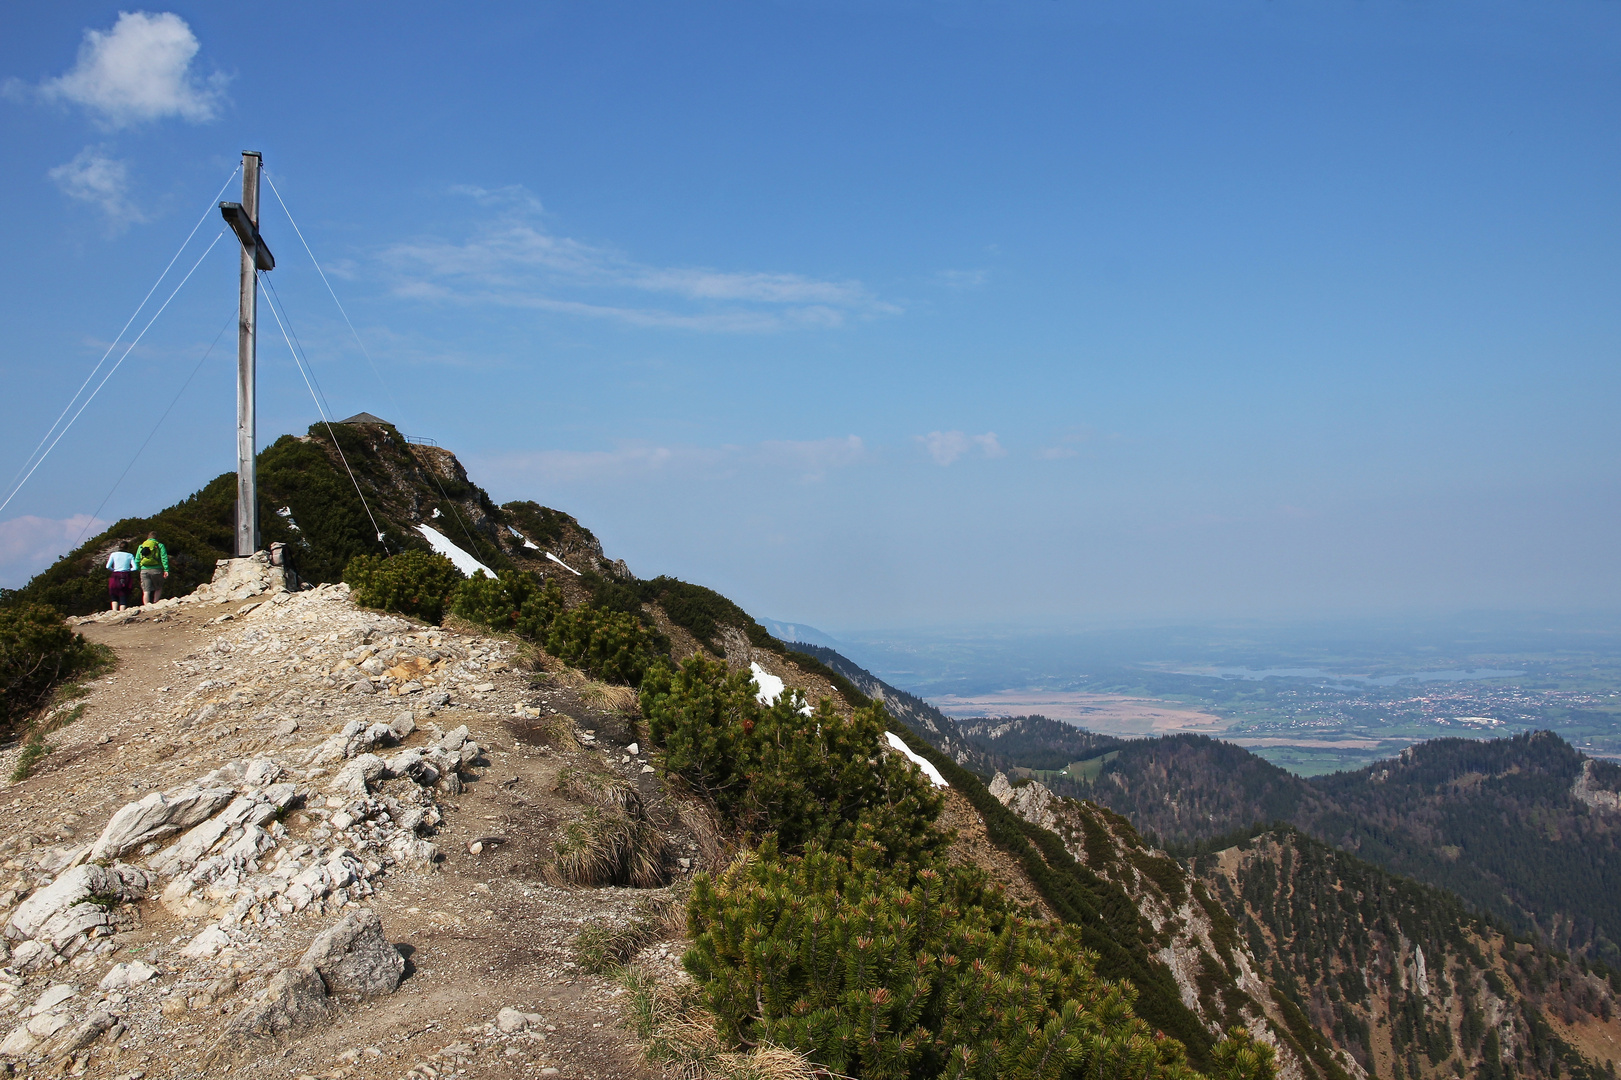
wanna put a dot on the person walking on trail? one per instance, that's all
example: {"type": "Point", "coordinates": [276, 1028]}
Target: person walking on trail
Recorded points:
{"type": "Point", "coordinates": [121, 578]}
{"type": "Point", "coordinates": [153, 559]}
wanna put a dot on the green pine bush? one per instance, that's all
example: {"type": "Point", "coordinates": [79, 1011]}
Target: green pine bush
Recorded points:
{"type": "Point", "coordinates": [38, 651]}
{"type": "Point", "coordinates": [611, 645]}
{"type": "Point", "coordinates": [416, 583]}
{"type": "Point", "coordinates": [807, 776]}
{"type": "Point", "coordinates": [494, 602]}
{"type": "Point", "coordinates": [877, 973]}
{"type": "Point", "coordinates": [539, 610]}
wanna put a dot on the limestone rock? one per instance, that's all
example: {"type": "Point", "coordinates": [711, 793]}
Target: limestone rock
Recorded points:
{"type": "Point", "coordinates": [354, 778]}
{"type": "Point", "coordinates": [80, 1035]}
{"type": "Point", "coordinates": [51, 998]}
{"type": "Point", "coordinates": [19, 1042]}
{"type": "Point", "coordinates": [510, 1020]}
{"type": "Point", "coordinates": [295, 999]}
{"type": "Point", "coordinates": [48, 914]}
{"type": "Point", "coordinates": [124, 976]}
{"type": "Point", "coordinates": [207, 943]}
{"type": "Point", "coordinates": [355, 959]}
{"type": "Point", "coordinates": [160, 814]}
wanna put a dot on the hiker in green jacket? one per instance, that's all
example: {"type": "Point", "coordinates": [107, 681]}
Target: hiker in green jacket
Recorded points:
{"type": "Point", "coordinates": [153, 559]}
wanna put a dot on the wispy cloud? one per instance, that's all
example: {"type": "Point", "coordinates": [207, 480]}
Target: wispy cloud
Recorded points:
{"type": "Point", "coordinates": [962, 279]}
{"type": "Point", "coordinates": [30, 544]}
{"type": "Point", "coordinates": [513, 260]}
{"type": "Point", "coordinates": [946, 447]}
{"type": "Point", "coordinates": [809, 460]}
{"type": "Point", "coordinates": [138, 71]}
{"type": "Point", "coordinates": [1068, 444]}
{"type": "Point", "coordinates": [101, 181]}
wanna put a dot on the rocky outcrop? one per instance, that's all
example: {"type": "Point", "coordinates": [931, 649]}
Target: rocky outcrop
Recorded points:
{"type": "Point", "coordinates": [1192, 936]}
{"type": "Point", "coordinates": [1588, 793]}
{"type": "Point", "coordinates": [295, 999]}
{"type": "Point", "coordinates": [58, 921]}
{"type": "Point", "coordinates": [354, 959]}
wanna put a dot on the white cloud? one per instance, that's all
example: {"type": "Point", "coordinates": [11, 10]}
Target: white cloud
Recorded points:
{"type": "Point", "coordinates": [30, 544]}
{"type": "Point", "coordinates": [515, 261]}
{"type": "Point", "coordinates": [946, 447]}
{"type": "Point", "coordinates": [102, 181]}
{"type": "Point", "coordinates": [140, 70]}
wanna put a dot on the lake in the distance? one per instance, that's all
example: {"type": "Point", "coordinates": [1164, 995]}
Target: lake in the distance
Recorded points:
{"type": "Point", "coordinates": [1367, 680]}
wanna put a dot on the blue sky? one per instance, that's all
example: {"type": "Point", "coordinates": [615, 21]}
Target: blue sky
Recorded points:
{"type": "Point", "coordinates": [870, 315]}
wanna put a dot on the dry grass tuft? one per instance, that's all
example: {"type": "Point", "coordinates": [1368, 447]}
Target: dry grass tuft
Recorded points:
{"type": "Point", "coordinates": [679, 1035]}
{"type": "Point", "coordinates": [603, 789]}
{"type": "Point", "coordinates": [555, 731]}
{"type": "Point", "coordinates": [700, 820]}
{"type": "Point", "coordinates": [610, 698]}
{"type": "Point", "coordinates": [607, 847]}
{"type": "Point", "coordinates": [605, 948]}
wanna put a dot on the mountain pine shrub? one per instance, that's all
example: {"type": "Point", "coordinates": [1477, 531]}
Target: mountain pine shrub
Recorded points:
{"type": "Point", "coordinates": [38, 651]}
{"type": "Point", "coordinates": [495, 602]}
{"type": "Point", "coordinates": [539, 610]}
{"type": "Point", "coordinates": [416, 583]}
{"type": "Point", "coordinates": [611, 645]}
{"type": "Point", "coordinates": [806, 776]}
{"type": "Point", "coordinates": [883, 973]}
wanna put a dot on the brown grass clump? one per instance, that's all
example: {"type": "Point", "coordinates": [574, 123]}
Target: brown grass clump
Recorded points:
{"type": "Point", "coordinates": [679, 1035]}
{"type": "Point", "coordinates": [603, 948]}
{"type": "Point", "coordinates": [555, 731]}
{"type": "Point", "coordinates": [607, 847]}
{"type": "Point", "coordinates": [602, 789]}
{"type": "Point", "coordinates": [610, 698]}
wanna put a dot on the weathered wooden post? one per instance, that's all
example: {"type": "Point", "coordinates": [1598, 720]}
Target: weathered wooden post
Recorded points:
{"type": "Point", "coordinates": [243, 218]}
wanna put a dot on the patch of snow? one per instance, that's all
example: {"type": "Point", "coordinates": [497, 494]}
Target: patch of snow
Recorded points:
{"type": "Point", "coordinates": [532, 546]}
{"type": "Point", "coordinates": [441, 543]}
{"type": "Point", "coordinates": [558, 561]}
{"type": "Point", "coordinates": [287, 512]}
{"type": "Point", "coordinates": [770, 686]}
{"type": "Point", "coordinates": [436, 512]}
{"type": "Point", "coordinates": [896, 742]}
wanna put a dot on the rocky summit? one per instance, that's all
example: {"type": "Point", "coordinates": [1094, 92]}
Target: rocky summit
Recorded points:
{"type": "Point", "coordinates": [290, 830]}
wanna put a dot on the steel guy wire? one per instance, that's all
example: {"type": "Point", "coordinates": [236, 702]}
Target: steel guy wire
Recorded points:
{"type": "Point", "coordinates": [112, 370]}
{"type": "Point", "coordinates": [382, 384]}
{"type": "Point", "coordinates": [318, 408]}
{"type": "Point", "coordinates": [133, 316]}
{"type": "Point", "coordinates": [184, 386]}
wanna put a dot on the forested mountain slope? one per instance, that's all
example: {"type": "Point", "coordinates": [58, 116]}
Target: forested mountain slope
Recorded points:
{"type": "Point", "coordinates": [1399, 974]}
{"type": "Point", "coordinates": [1359, 971]}
{"type": "Point", "coordinates": [1527, 828]}
{"type": "Point", "coordinates": [1518, 827]}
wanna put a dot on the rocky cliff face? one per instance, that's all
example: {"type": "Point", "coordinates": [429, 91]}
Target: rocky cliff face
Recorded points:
{"type": "Point", "coordinates": [1189, 933]}
{"type": "Point", "coordinates": [1351, 971]}
{"type": "Point", "coordinates": [1400, 975]}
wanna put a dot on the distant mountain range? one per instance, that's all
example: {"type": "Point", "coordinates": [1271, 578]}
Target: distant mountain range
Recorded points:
{"type": "Point", "coordinates": [800, 634]}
